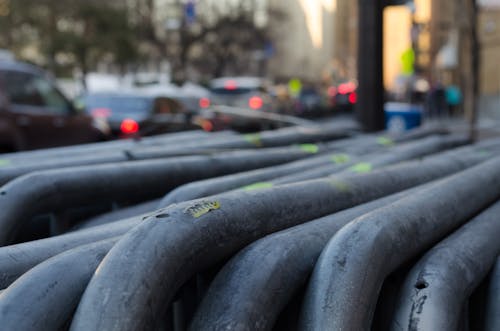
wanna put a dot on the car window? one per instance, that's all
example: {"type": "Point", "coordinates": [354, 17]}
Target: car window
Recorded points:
{"type": "Point", "coordinates": [167, 106]}
{"type": "Point", "coordinates": [31, 90]}
{"type": "Point", "coordinates": [118, 104]}
{"type": "Point", "coordinates": [232, 91]}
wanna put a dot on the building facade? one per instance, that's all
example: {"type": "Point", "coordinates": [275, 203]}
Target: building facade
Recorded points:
{"type": "Point", "coordinates": [489, 41]}
{"type": "Point", "coordinates": [303, 43]}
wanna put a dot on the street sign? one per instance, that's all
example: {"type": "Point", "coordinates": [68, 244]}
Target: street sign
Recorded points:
{"type": "Point", "coordinates": [190, 12]}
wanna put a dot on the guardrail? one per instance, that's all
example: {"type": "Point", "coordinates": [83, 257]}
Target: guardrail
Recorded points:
{"type": "Point", "coordinates": [196, 234]}
{"type": "Point", "coordinates": [361, 255]}
{"type": "Point", "coordinates": [58, 189]}
{"type": "Point", "coordinates": [316, 167]}
{"type": "Point", "coordinates": [492, 318]}
{"type": "Point", "coordinates": [435, 291]}
{"type": "Point", "coordinates": [330, 229]}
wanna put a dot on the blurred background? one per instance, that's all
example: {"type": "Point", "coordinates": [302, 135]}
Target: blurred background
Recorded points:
{"type": "Point", "coordinates": [132, 59]}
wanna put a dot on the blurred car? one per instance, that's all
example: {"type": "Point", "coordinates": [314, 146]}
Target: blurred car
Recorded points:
{"type": "Point", "coordinates": [35, 114]}
{"type": "Point", "coordinates": [242, 92]}
{"type": "Point", "coordinates": [192, 96]}
{"type": "Point", "coordinates": [343, 97]}
{"type": "Point", "coordinates": [134, 113]}
{"type": "Point", "coordinates": [310, 102]}
{"type": "Point", "coordinates": [245, 120]}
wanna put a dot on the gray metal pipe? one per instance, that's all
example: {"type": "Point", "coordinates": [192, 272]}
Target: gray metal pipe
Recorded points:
{"type": "Point", "coordinates": [492, 314]}
{"type": "Point", "coordinates": [15, 166]}
{"type": "Point", "coordinates": [57, 190]}
{"type": "Point", "coordinates": [269, 271]}
{"type": "Point", "coordinates": [17, 259]}
{"type": "Point", "coordinates": [252, 289]}
{"type": "Point", "coordinates": [294, 172]}
{"type": "Point", "coordinates": [94, 155]}
{"type": "Point", "coordinates": [118, 215]}
{"type": "Point", "coordinates": [280, 137]}
{"type": "Point", "coordinates": [107, 146]}
{"type": "Point", "coordinates": [45, 297]}
{"type": "Point", "coordinates": [343, 290]}
{"type": "Point", "coordinates": [436, 289]}
{"type": "Point", "coordinates": [399, 153]}
{"type": "Point", "coordinates": [167, 248]}
{"type": "Point", "coordinates": [211, 186]}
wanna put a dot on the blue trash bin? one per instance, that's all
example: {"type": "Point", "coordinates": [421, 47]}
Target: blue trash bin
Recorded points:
{"type": "Point", "coordinates": [400, 117]}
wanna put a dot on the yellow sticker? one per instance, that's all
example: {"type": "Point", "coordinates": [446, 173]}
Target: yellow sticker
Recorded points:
{"type": "Point", "coordinates": [340, 158]}
{"type": "Point", "coordinates": [253, 138]}
{"type": "Point", "coordinates": [361, 168]}
{"type": "Point", "coordinates": [309, 148]}
{"type": "Point", "coordinates": [384, 141]}
{"type": "Point", "coordinates": [201, 208]}
{"type": "Point", "coordinates": [4, 162]}
{"type": "Point", "coordinates": [258, 186]}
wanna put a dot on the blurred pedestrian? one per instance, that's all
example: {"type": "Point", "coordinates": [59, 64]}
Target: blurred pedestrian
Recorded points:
{"type": "Point", "coordinates": [436, 100]}
{"type": "Point", "coordinates": [453, 99]}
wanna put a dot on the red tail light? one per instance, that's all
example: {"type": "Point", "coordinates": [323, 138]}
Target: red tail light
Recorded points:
{"type": "Point", "coordinates": [346, 88]}
{"type": "Point", "coordinates": [353, 97]}
{"type": "Point", "coordinates": [129, 126]}
{"type": "Point", "coordinates": [204, 103]}
{"type": "Point", "coordinates": [255, 103]}
{"type": "Point", "coordinates": [101, 112]}
{"type": "Point", "coordinates": [231, 85]}
{"type": "Point", "coordinates": [207, 125]}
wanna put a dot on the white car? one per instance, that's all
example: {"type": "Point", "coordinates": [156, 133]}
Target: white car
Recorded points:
{"type": "Point", "coordinates": [242, 92]}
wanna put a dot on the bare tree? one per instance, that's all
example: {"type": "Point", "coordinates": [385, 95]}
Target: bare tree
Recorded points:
{"type": "Point", "coordinates": [223, 36]}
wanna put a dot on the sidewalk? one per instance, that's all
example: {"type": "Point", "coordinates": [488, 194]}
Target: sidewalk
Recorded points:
{"type": "Point", "coordinates": [487, 126]}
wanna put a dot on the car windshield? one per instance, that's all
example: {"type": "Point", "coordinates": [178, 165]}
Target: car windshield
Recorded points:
{"type": "Point", "coordinates": [32, 90]}
{"type": "Point", "coordinates": [232, 91]}
{"type": "Point", "coordinates": [118, 104]}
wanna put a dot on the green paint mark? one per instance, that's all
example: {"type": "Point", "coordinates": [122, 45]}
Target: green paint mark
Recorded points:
{"type": "Point", "coordinates": [258, 186]}
{"type": "Point", "coordinates": [340, 185]}
{"type": "Point", "coordinates": [361, 168]}
{"type": "Point", "coordinates": [384, 141]}
{"type": "Point", "coordinates": [4, 162]}
{"type": "Point", "coordinates": [309, 148]}
{"type": "Point", "coordinates": [340, 158]}
{"type": "Point", "coordinates": [484, 152]}
{"type": "Point", "coordinates": [201, 208]}
{"type": "Point", "coordinates": [253, 138]}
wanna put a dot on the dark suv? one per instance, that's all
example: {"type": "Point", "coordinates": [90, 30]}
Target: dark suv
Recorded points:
{"type": "Point", "coordinates": [35, 114]}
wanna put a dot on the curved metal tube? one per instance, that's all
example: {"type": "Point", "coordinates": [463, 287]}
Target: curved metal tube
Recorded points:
{"type": "Point", "coordinates": [174, 243]}
{"type": "Point", "coordinates": [108, 152]}
{"type": "Point", "coordinates": [211, 186]}
{"type": "Point", "coordinates": [56, 190]}
{"type": "Point", "coordinates": [98, 153]}
{"type": "Point", "coordinates": [345, 284]}
{"type": "Point", "coordinates": [492, 316]}
{"type": "Point", "coordinates": [280, 137]}
{"type": "Point", "coordinates": [399, 153]}
{"type": "Point", "coordinates": [251, 290]}
{"type": "Point", "coordinates": [51, 291]}
{"type": "Point", "coordinates": [17, 259]}
{"type": "Point", "coordinates": [270, 270]}
{"type": "Point", "coordinates": [105, 155]}
{"type": "Point", "coordinates": [435, 290]}
{"type": "Point", "coordinates": [118, 215]}
{"type": "Point", "coordinates": [294, 172]}
{"type": "Point", "coordinates": [18, 158]}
